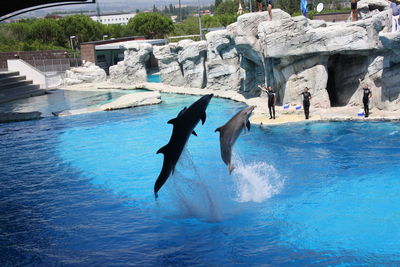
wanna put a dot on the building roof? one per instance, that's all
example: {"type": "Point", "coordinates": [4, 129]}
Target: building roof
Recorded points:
{"type": "Point", "coordinates": [112, 14]}
{"type": "Point", "coordinates": [118, 45]}
{"type": "Point", "coordinates": [115, 40]}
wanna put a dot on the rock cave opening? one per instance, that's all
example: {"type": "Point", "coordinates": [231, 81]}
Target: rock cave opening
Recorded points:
{"type": "Point", "coordinates": [254, 75]}
{"type": "Point", "coordinates": [343, 74]}
{"type": "Point", "coordinates": [152, 64]}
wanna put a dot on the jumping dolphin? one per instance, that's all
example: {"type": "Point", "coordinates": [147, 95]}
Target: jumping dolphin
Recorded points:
{"type": "Point", "coordinates": [231, 131]}
{"type": "Point", "coordinates": [183, 127]}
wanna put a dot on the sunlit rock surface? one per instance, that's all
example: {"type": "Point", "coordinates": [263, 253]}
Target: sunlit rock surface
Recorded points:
{"type": "Point", "coordinates": [133, 68]}
{"type": "Point", "coordinates": [290, 53]}
{"type": "Point", "coordinates": [89, 72]}
{"type": "Point", "coordinates": [125, 101]}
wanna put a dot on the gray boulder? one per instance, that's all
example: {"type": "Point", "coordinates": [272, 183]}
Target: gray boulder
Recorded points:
{"type": "Point", "coordinates": [133, 68]}
{"type": "Point", "coordinates": [223, 69]}
{"type": "Point", "coordinates": [87, 73]}
{"type": "Point", "coordinates": [192, 58]}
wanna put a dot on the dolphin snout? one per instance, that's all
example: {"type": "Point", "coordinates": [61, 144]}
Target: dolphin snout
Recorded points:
{"type": "Point", "coordinates": [208, 97]}
{"type": "Point", "coordinates": [250, 110]}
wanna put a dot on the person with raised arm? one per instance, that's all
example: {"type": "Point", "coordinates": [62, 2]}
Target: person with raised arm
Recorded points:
{"type": "Point", "coordinates": [306, 102]}
{"type": "Point", "coordinates": [366, 96]}
{"type": "Point", "coordinates": [271, 100]}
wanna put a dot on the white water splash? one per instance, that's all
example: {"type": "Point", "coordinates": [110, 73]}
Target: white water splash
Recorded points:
{"type": "Point", "coordinates": [394, 132]}
{"type": "Point", "coordinates": [255, 182]}
{"type": "Point", "coordinates": [213, 197]}
{"type": "Point", "coordinates": [191, 193]}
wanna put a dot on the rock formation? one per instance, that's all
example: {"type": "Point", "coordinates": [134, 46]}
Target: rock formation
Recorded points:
{"type": "Point", "coordinates": [183, 63]}
{"type": "Point", "coordinates": [133, 68]}
{"type": "Point", "coordinates": [125, 101]}
{"type": "Point", "coordinates": [288, 53]}
{"type": "Point", "coordinates": [89, 72]}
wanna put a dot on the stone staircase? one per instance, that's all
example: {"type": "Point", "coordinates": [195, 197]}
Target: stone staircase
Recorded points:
{"type": "Point", "coordinates": [13, 87]}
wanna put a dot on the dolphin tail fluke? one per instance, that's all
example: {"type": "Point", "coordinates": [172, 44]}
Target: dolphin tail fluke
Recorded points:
{"type": "Point", "coordinates": [162, 178]}
{"type": "Point", "coordinates": [231, 168]}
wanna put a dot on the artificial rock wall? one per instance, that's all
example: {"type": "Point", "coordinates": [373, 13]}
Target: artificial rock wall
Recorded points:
{"type": "Point", "coordinates": [290, 53]}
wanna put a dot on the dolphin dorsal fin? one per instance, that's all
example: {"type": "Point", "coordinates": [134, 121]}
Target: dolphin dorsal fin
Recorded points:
{"type": "Point", "coordinates": [248, 125]}
{"type": "Point", "coordinates": [219, 129]}
{"type": "Point", "coordinates": [194, 133]}
{"type": "Point", "coordinates": [163, 150]}
{"type": "Point", "coordinates": [203, 117]}
{"type": "Point", "coordinates": [172, 121]}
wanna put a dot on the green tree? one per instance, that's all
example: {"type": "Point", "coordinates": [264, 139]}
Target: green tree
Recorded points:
{"type": "Point", "coordinates": [337, 4]}
{"type": "Point", "coordinates": [289, 6]}
{"type": "Point", "coordinates": [217, 2]}
{"type": "Point", "coordinates": [210, 21]}
{"type": "Point", "coordinates": [151, 25]}
{"type": "Point", "coordinates": [226, 19]}
{"type": "Point", "coordinates": [228, 7]}
{"type": "Point", "coordinates": [81, 26]}
{"type": "Point", "coordinates": [18, 30]}
{"type": "Point", "coordinates": [46, 31]}
{"type": "Point", "coordinates": [116, 30]}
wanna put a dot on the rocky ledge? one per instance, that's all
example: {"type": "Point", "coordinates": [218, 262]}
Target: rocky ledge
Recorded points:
{"type": "Point", "coordinates": [19, 116]}
{"type": "Point", "coordinates": [288, 53]}
{"type": "Point", "coordinates": [125, 101]}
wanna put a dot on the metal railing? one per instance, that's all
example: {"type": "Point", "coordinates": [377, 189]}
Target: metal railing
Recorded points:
{"type": "Point", "coordinates": [55, 65]}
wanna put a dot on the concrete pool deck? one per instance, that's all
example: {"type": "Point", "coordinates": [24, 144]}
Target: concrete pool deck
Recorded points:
{"type": "Point", "coordinates": [260, 114]}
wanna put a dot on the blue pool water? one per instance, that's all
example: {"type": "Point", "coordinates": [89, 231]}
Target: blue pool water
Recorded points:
{"type": "Point", "coordinates": [154, 78]}
{"type": "Point", "coordinates": [78, 191]}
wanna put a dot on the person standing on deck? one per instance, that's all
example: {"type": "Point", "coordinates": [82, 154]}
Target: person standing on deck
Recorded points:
{"type": "Point", "coordinates": [260, 5]}
{"type": "Point", "coordinates": [395, 15]}
{"type": "Point", "coordinates": [268, 5]}
{"type": "Point", "coordinates": [271, 100]}
{"type": "Point", "coordinates": [366, 96]}
{"type": "Point", "coordinates": [269, 8]}
{"type": "Point", "coordinates": [306, 102]}
{"type": "Point", "coordinates": [354, 11]}
{"type": "Point", "coordinates": [303, 7]}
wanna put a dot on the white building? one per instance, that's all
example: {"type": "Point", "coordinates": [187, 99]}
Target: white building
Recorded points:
{"type": "Point", "coordinates": [113, 18]}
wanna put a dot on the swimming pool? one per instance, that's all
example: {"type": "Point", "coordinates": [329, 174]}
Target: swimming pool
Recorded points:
{"type": "Point", "coordinates": [79, 191]}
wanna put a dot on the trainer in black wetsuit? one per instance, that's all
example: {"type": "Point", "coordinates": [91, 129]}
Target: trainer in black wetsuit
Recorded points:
{"type": "Point", "coordinates": [271, 102]}
{"type": "Point", "coordinates": [366, 96]}
{"type": "Point", "coordinates": [306, 102]}
{"type": "Point", "coordinates": [271, 99]}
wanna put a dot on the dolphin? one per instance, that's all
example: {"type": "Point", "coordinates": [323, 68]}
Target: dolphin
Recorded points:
{"type": "Point", "coordinates": [183, 127]}
{"type": "Point", "coordinates": [230, 132]}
